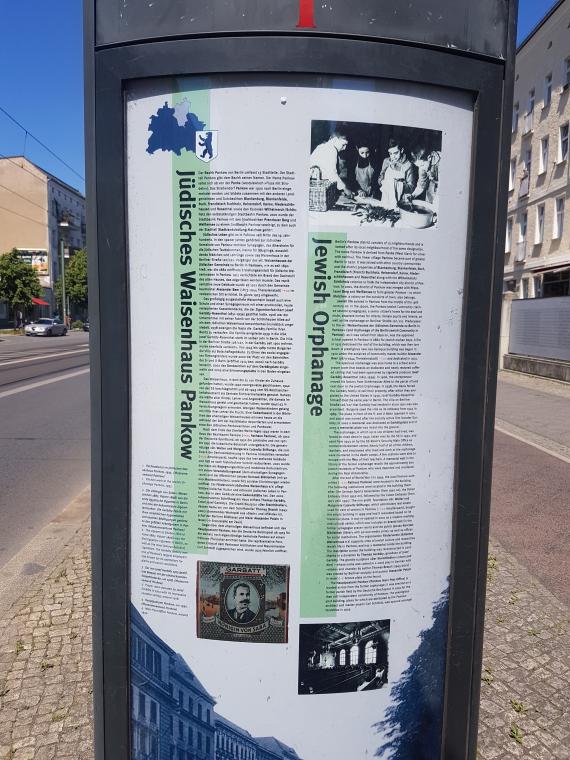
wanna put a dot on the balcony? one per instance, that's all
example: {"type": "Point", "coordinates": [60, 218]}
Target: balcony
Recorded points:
{"type": "Point", "coordinates": [520, 254]}
{"type": "Point", "coordinates": [528, 122]}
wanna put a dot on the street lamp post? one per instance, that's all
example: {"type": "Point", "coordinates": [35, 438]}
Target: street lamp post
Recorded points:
{"type": "Point", "coordinates": [62, 258]}
{"type": "Point", "coordinates": [63, 227]}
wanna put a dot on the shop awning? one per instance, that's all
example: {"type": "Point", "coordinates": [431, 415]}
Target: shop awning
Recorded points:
{"type": "Point", "coordinates": [550, 269]}
{"type": "Point", "coordinates": [39, 301]}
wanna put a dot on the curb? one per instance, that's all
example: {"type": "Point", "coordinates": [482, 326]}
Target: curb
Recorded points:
{"type": "Point", "coordinates": [30, 567]}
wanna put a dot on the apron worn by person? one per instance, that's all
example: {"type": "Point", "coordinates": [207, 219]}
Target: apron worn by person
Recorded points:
{"type": "Point", "coordinates": [392, 186]}
{"type": "Point", "coordinates": [364, 176]}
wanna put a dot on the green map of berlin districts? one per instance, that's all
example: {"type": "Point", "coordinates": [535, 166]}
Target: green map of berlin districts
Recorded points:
{"type": "Point", "coordinates": [174, 129]}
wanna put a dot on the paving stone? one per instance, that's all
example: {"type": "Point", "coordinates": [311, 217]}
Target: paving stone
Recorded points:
{"type": "Point", "coordinates": [529, 669]}
{"type": "Point", "coordinates": [44, 716]}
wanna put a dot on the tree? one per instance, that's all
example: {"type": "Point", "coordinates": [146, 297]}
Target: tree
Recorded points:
{"type": "Point", "coordinates": [18, 282]}
{"type": "Point", "coordinates": [412, 727]}
{"type": "Point", "coordinates": [75, 280]}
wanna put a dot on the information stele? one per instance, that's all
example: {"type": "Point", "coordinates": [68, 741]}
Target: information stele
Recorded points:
{"type": "Point", "coordinates": [294, 220]}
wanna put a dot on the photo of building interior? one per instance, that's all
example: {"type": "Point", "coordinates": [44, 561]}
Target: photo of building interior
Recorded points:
{"type": "Point", "coordinates": [343, 657]}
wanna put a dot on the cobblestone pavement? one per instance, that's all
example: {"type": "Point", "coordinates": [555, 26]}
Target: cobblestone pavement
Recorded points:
{"type": "Point", "coordinates": [525, 688]}
{"type": "Point", "coordinates": [45, 666]}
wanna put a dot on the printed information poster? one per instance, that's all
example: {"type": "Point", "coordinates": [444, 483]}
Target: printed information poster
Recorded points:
{"type": "Point", "coordinates": [297, 261]}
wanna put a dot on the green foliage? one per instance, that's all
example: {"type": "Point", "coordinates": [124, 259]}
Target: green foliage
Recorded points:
{"type": "Point", "coordinates": [77, 325]}
{"type": "Point", "coordinates": [516, 733]}
{"type": "Point", "coordinates": [18, 281]}
{"type": "Point", "coordinates": [518, 707]}
{"type": "Point", "coordinates": [75, 280]}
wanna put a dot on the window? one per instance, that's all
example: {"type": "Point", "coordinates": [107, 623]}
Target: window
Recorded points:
{"type": "Point", "coordinates": [527, 161]}
{"type": "Point", "coordinates": [556, 284]}
{"type": "Point", "coordinates": [515, 124]}
{"type": "Point", "coordinates": [190, 735]}
{"type": "Point", "coordinates": [152, 660]}
{"type": "Point", "coordinates": [524, 186]}
{"type": "Point", "coordinates": [156, 663]}
{"type": "Point", "coordinates": [180, 697]}
{"type": "Point", "coordinates": [199, 711]}
{"type": "Point", "coordinates": [523, 226]}
{"type": "Point", "coordinates": [180, 729]}
{"type": "Point", "coordinates": [524, 283]}
{"type": "Point", "coordinates": [208, 715]}
{"type": "Point", "coordinates": [153, 711]}
{"type": "Point", "coordinates": [199, 740]}
{"type": "Point", "coordinates": [547, 90]}
{"type": "Point", "coordinates": [190, 705]}
{"type": "Point", "coordinates": [142, 705]}
{"type": "Point", "coordinates": [537, 286]}
{"type": "Point", "coordinates": [512, 173]}
{"type": "Point", "coordinates": [539, 229]}
{"type": "Point", "coordinates": [354, 655]}
{"type": "Point", "coordinates": [558, 218]}
{"type": "Point", "coordinates": [566, 74]}
{"type": "Point", "coordinates": [521, 245]}
{"type": "Point", "coordinates": [543, 157]}
{"type": "Point", "coordinates": [563, 143]}
{"type": "Point", "coordinates": [207, 745]}
{"type": "Point", "coordinates": [369, 653]}
{"type": "Point", "coordinates": [528, 119]}
{"type": "Point", "coordinates": [342, 659]}
{"type": "Point", "coordinates": [139, 649]}
{"type": "Point", "coordinates": [509, 235]}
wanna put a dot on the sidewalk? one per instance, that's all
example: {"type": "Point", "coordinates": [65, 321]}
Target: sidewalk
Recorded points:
{"type": "Point", "coordinates": [525, 683]}
{"type": "Point", "coordinates": [45, 666]}
{"type": "Point", "coordinates": [45, 663]}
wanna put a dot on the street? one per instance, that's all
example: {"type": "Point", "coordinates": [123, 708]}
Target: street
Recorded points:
{"type": "Point", "coordinates": [44, 432]}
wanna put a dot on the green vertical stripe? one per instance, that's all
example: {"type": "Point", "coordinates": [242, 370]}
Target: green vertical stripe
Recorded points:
{"type": "Point", "coordinates": [321, 423]}
{"type": "Point", "coordinates": [191, 382]}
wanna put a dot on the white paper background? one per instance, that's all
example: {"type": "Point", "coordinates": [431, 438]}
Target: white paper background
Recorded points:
{"type": "Point", "coordinates": [256, 684]}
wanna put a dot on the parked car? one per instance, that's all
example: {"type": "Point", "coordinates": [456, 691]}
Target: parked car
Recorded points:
{"type": "Point", "coordinates": [86, 326]}
{"type": "Point", "coordinates": [45, 327]}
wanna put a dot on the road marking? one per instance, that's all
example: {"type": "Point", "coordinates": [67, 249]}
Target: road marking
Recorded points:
{"type": "Point", "coordinates": [531, 443]}
{"type": "Point", "coordinates": [42, 356]}
{"type": "Point", "coordinates": [39, 384]}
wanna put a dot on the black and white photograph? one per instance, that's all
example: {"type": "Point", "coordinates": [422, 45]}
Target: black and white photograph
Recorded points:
{"type": "Point", "coordinates": [173, 708]}
{"type": "Point", "coordinates": [379, 174]}
{"type": "Point", "coordinates": [243, 602]}
{"type": "Point", "coordinates": [335, 658]}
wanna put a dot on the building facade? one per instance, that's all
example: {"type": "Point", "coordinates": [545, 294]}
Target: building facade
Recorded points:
{"type": "Point", "coordinates": [173, 717]}
{"type": "Point", "coordinates": [537, 245]}
{"type": "Point", "coordinates": [39, 213]}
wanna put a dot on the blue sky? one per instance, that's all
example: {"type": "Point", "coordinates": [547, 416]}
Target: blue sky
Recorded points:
{"type": "Point", "coordinates": [41, 79]}
{"type": "Point", "coordinates": [41, 82]}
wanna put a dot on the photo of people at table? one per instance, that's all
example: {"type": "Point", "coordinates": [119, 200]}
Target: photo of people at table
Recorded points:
{"type": "Point", "coordinates": [374, 173]}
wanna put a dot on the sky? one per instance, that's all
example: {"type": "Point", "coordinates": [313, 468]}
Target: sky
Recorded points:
{"type": "Point", "coordinates": [41, 80]}
{"type": "Point", "coordinates": [41, 83]}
